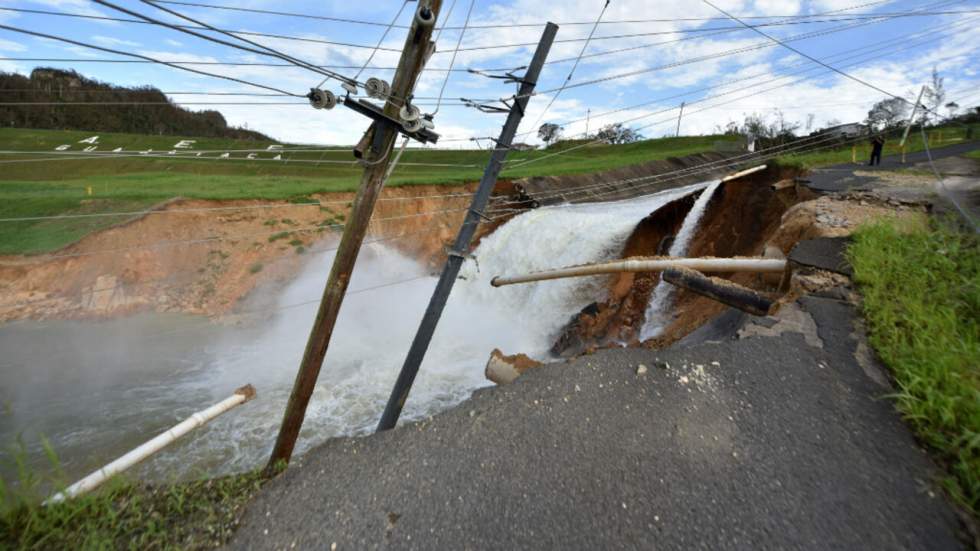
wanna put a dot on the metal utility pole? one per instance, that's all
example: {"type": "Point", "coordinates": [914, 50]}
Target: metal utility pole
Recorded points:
{"type": "Point", "coordinates": [679, 115]}
{"type": "Point", "coordinates": [588, 115]}
{"type": "Point", "coordinates": [376, 146]}
{"type": "Point", "coordinates": [399, 394]}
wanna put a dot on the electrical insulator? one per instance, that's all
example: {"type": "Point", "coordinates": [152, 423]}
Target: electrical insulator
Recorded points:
{"type": "Point", "coordinates": [322, 99]}
{"type": "Point", "coordinates": [424, 16]}
{"type": "Point", "coordinates": [377, 88]}
{"type": "Point", "coordinates": [409, 113]}
{"type": "Point", "coordinates": [427, 122]}
{"type": "Point", "coordinates": [412, 126]}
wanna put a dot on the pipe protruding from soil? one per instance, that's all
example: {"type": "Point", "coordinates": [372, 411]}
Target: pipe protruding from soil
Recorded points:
{"type": "Point", "coordinates": [721, 290]}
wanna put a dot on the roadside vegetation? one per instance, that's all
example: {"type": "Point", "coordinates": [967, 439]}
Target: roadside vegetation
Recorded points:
{"type": "Point", "coordinates": [921, 298]}
{"type": "Point", "coordinates": [123, 514]}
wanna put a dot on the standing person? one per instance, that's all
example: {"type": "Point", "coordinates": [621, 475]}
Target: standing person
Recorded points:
{"type": "Point", "coordinates": [877, 144]}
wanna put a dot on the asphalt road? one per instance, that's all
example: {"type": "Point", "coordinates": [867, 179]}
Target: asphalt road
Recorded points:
{"type": "Point", "coordinates": [779, 438]}
{"type": "Point", "coordinates": [842, 177]}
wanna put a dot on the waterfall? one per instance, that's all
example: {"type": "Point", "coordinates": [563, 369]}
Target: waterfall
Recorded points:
{"type": "Point", "coordinates": [658, 311]}
{"type": "Point", "coordinates": [181, 373]}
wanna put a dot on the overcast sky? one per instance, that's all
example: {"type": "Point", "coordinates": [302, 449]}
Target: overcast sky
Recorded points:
{"type": "Point", "coordinates": [858, 46]}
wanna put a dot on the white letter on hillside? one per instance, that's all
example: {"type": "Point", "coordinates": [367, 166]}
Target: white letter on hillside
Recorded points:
{"type": "Point", "coordinates": [185, 144]}
{"type": "Point", "coordinates": [93, 139]}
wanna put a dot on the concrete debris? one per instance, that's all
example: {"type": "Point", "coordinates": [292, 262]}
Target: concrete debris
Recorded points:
{"type": "Point", "coordinates": [503, 369]}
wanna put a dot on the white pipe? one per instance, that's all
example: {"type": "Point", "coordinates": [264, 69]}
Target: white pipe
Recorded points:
{"type": "Point", "coordinates": [745, 172]}
{"type": "Point", "coordinates": [147, 449]}
{"type": "Point", "coordinates": [642, 264]}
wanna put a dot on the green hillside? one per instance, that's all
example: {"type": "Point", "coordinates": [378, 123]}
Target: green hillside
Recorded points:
{"type": "Point", "coordinates": [46, 185]}
{"type": "Point", "coordinates": [32, 101]}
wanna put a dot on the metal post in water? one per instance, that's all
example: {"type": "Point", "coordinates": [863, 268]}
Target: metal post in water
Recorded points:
{"type": "Point", "coordinates": [399, 394]}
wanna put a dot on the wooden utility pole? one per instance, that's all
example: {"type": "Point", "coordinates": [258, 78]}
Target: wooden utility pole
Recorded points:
{"type": "Point", "coordinates": [399, 394]}
{"type": "Point", "coordinates": [378, 142]}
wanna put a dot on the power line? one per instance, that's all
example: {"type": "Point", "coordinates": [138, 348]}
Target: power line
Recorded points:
{"type": "Point", "coordinates": [140, 22]}
{"type": "Point", "coordinates": [264, 50]}
{"type": "Point", "coordinates": [380, 41]}
{"type": "Point", "coordinates": [800, 19]}
{"type": "Point", "coordinates": [219, 63]}
{"type": "Point", "coordinates": [171, 277]}
{"type": "Point", "coordinates": [808, 56]}
{"type": "Point", "coordinates": [861, 51]}
{"type": "Point", "coordinates": [717, 55]}
{"type": "Point", "coordinates": [594, 142]}
{"type": "Point", "coordinates": [71, 156]}
{"type": "Point", "coordinates": [178, 103]}
{"type": "Point", "coordinates": [140, 56]}
{"type": "Point", "coordinates": [282, 13]}
{"type": "Point", "coordinates": [198, 241]}
{"type": "Point", "coordinates": [452, 61]}
{"type": "Point", "coordinates": [571, 71]}
{"type": "Point", "coordinates": [489, 26]}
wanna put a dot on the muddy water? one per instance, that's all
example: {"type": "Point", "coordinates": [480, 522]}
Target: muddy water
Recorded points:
{"type": "Point", "coordinates": [96, 389]}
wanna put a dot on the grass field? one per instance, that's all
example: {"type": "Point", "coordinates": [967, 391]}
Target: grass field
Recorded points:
{"type": "Point", "coordinates": [921, 293]}
{"type": "Point", "coordinates": [335, 171]}
{"type": "Point", "coordinates": [43, 185]}
{"type": "Point", "coordinates": [48, 186]}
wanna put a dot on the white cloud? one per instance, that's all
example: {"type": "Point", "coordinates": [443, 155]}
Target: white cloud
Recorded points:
{"type": "Point", "coordinates": [11, 46]}
{"type": "Point", "coordinates": [114, 42]}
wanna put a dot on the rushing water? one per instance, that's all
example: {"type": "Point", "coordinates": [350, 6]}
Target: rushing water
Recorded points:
{"type": "Point", "coordinates": [658, 315]}
{"type": "Point", "coordinates": [96, 389]}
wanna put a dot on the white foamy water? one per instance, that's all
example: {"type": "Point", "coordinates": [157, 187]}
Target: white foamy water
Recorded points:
{"type": "Point", "coordinates": [105, 387]}
{"type": "Point", "coordinates": [658, 314]}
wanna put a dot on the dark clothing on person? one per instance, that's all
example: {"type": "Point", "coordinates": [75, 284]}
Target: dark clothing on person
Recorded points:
{"type": "Point", "coordinates": [877, 144]}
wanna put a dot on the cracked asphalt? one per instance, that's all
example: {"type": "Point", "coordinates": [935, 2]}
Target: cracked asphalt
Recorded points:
{"type": "Point", "coordinates": [768, 433]}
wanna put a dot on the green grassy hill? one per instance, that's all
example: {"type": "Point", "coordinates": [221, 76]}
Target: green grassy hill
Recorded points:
{"type": "Point", "coordinates": [46, 185]}
{"type": "Point", "coordinates": [40, 184]}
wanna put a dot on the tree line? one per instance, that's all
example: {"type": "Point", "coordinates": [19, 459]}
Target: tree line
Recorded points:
{"type": "Point", "coordinates": [55, 85]}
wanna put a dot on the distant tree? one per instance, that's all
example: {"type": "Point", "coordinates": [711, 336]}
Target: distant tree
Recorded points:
{"type": "Point", "coordinates": [57, 85]}
{"type": "Point", "coordinates": [887, 113]}
{"type": "Point", "coordinates": [730, 129]}
{"type": "Point", "coordinates": [934, 97]}
{"type": "Point", "coordinates": [772, 130]}
{"type": "Point", "coordinates": [618, 134]}
{"type": "Point", "coordinates": [951, 108]}
{"type": "Point", "coordinates": [549, 133]}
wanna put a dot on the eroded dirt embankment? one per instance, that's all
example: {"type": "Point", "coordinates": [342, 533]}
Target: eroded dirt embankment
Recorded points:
{"type": "Point", "coordinates": [765, 214]}
{"type": "Point", "coordinates": [738, 221]}
{"type": "Point", "coordinates": [203, 257]}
